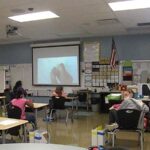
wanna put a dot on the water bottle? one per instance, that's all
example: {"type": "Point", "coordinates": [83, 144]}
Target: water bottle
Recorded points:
{"type": "Point", "coordinates": [31, 137]}
{"type": "Point", "coordinates": [37, 137]}
{"type": "Point", "coordinates": [101, 147]}
{"type": "Point", "coordinates": [3, 112]}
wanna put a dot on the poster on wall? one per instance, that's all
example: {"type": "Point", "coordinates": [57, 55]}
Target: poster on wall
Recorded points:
{"type": "Point", "coordinates": [141, 71]}
{"type": "Point", "coordinates": [127, 73]}
{"type": "Point", "coordinates": [91, 51]}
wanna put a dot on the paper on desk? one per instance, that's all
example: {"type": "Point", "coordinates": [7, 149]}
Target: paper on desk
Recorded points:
{"type": "Point", "coordinates": [8, 122]}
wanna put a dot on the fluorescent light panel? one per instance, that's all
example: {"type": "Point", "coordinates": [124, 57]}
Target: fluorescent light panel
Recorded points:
{"type": "Point", "coordinates": [34, 16]}
{"type": "Point", "coordinates": [130, 4]}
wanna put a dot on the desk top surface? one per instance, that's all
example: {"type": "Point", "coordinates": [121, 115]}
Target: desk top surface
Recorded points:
{"type": "Point", "coordinates": [2, 97]}
{"type": "Point", "coordinates": [145, 100]}
{"type": "Point", "coordinates": [71, 97]}
{"type": "Point", "coordinates": [38, 146]}
{"type": "Point", "coordinates": [7, 123]}
{"type": "Point", "coordinates": [39, 105]}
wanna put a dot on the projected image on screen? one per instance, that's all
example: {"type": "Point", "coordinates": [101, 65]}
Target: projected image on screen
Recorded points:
{"type": "Point", "coordinates": [58, 70]}
{"type": "Point", "coordinates": [56, 65]}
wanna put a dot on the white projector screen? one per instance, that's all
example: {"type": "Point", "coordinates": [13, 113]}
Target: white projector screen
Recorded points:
{"type": "Point", "coordinates": [56, 65]}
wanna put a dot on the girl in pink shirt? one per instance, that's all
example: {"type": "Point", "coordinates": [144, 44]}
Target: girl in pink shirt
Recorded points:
{"type": "Point", "coordinates": [21, 102]}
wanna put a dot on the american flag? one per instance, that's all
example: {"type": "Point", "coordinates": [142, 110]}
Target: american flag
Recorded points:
{"type": "Point", "coordinates": [113, 55]}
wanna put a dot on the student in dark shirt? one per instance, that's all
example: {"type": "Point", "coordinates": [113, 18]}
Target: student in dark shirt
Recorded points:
{"type": "Point", "coordinates": [59, 92]}
{"type": "Point", "coordinates": [15, 88]}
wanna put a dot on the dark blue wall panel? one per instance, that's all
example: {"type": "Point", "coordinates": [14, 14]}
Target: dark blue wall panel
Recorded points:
{"type": "Point", "coordinates": [15, 53]}
{"type": "Point", "coordinates": [129, 47]}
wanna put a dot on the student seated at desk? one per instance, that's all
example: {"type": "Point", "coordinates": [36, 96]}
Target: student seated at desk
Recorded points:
{"type": "Point", "coordinates": [18, 84]}
{"type": "Point", "coordinates": [126, 94]}
{"type": "Point", "coordinates": [60, 96]}
{"type": "Point", "coordinates": [58, 99]}
{"type": "Point", "coordinates": [59, 92]}
{"type": "Point", "coordinates": [127, 103]}
{"type": "Point", "coordinates": [21, 102]}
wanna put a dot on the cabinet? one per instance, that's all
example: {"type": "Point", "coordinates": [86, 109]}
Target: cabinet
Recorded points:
{"type": "Point", "coordinates": [105, 105]}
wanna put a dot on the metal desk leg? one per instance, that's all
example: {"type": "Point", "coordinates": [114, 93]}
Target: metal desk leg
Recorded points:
{"type": "Point", "coordinates": [3, 137]}
{"type": "Point", "coordinates": [4, 102]}
{"type": "Point", "coordinates": [72, 103]}
{"type": "Point", "coordinates": [77, 104]}
{"type": "Point", "coordinates": [25, 133]}
{"type": "Point", "coordinates": [35, 111]}
{"type": "Point", "coordinates": [45, 111]}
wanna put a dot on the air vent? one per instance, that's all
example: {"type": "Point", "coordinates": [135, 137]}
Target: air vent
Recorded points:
{"type": "Point", "coordinates": [143, 24]}
{"type": "Point", "coordinates": [107, 21]}
{"type": "Point", "coordinates": [11, 30]}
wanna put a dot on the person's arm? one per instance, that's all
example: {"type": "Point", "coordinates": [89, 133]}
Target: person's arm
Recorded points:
{"type": "Point", "coordinates": [29, 103]}
{"type": "Point", "coordinates": [64, 94]}
{"type": "Point", "coordinates": [144, 107]}
{"type": "Point", "coordinates": [115, 106]}
{"type": "Point", "coordinates": [54, 93]}
{"type": "Point", "coordinates": [124, 104]}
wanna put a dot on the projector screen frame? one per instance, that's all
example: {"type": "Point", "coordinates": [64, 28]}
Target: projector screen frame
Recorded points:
{"type": "Point", "coordinates": [67, 45]}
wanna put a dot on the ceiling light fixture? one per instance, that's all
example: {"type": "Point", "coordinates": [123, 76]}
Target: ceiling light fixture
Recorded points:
{"type": "Point", "coordinates": [129, 5]}
{"type": "Point", "coordinates": [34, 16]}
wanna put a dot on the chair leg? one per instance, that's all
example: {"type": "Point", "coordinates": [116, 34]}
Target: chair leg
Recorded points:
{"type": "Point", "coordinates": [72, 116]}
{"type": "Point", "coordinates": [141, 140]}
{"type": "Point", "coordinates": [67, 115]}
{"type": "Point", "coordinates": [51, 113]}
{"type": "Point", "coordinates": [113, 139]}
{"type": "Point", "coordinates": [112, 135]}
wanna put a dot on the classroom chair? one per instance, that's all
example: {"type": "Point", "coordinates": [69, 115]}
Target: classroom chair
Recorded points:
{"type": "Point", "coordinates": [128, 120]}
{"type": "Point", "coordinates": [58, 105]}
{"type": "Point", "coordinates": [14, 112]}
{"type": "Point", "coordinates": [83, 98]}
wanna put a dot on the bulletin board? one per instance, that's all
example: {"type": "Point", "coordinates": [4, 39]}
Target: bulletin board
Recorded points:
{"type": "Point", "coordinates": [139, 73]}
{"type": "Point", "coordinates": [127, 73]}
{"type": "Point", "coordinates": [91, 51]}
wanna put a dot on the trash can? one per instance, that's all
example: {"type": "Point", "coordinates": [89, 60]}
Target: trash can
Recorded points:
{"type": "Point", "coordinates": [94, 104]}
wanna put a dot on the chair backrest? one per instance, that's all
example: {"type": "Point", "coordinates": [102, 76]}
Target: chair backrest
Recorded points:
{"type": "Point", "coordinates": [8, 95]}
{"type": "Point", "coordinates": [58, 102]}
{"type": "Point", "coordinates": [82, 96]}
{"type": "Point", "coordinates": [145, 90]}
{"type": "Point", "coordinates": [14, 112]}
{"type": "Point", "coordinates": [128, 118]}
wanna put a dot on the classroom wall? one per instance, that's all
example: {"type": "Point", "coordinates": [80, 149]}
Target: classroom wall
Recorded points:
{"type": "Point", "coordinates": [129, 47]}
{"type": "Point", "coordinates": [15, 53]}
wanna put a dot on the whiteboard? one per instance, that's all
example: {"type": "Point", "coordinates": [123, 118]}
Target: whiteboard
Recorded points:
{"type": "Point", "coordinates": [21, 72]}
{"type": "Point", "coordinates": [2, 80]}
